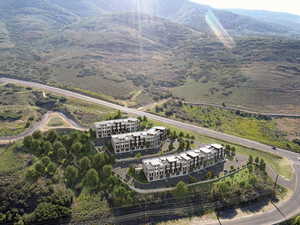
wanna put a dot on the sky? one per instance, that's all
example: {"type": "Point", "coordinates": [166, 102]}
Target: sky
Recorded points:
{"type": "Point", "coordinates": [290, 6]}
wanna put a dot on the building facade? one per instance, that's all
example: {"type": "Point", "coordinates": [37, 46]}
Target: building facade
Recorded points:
{"type": "Point", "coordinates": [138, 141]}
{"type": "Point", "coordinates": [184, 163]}
{"type": "Point", "coordinates": [108, 128]}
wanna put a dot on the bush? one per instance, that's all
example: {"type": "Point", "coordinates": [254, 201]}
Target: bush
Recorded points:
{"type": "Point", "coordinates": [47, 211]}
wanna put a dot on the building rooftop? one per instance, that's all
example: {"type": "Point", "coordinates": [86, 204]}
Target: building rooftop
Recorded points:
{"type": "Point", "coordinates": [110, 122]}
{"type": "Point", "coordinates": [188, 155]}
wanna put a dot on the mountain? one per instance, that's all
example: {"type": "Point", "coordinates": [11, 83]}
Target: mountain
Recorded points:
{"type": "Point", "coordinates": [179, 11]}
{"type": "Point", "coordinates": [283, 19]}
{"type": "Point", "coordinates": [143, 52]}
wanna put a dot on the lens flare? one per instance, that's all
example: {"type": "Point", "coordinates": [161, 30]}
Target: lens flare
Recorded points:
{"type": "Point", "coordinates": [219, 30]}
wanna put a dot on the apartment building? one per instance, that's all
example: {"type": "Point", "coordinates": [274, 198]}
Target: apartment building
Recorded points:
{"type": "Point", "coordinates": [138, 141]}
{"type": "Point", "coordinates": [183, 163]}
{"type": "Point", "coordinates": [108, 128]}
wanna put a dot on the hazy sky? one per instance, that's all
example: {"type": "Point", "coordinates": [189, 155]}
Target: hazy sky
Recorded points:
{"type": "Point", "coordinates": [291, 6]}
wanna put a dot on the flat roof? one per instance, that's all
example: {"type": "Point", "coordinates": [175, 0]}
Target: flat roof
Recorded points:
{"type": "Point", "coordinates": [206, 150]}
{"type": "Point", "coordinates": [116, 121]}
{"type": "Point", "coordinates": [217, 146]}
{"type": "Point", "coordinates": [192, 153]}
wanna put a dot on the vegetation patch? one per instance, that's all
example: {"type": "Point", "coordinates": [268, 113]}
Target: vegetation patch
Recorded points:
{"type": "Point", "coordinates": [251, 126]}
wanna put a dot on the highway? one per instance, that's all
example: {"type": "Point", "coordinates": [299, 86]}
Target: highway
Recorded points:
{"type": "Point", "coordinates": [284, 210]}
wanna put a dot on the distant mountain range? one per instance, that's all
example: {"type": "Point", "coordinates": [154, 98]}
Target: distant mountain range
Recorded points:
{"type": "Point", "coordinates": [284, 19]}
{"type": "Point", "coordinates": [141, 51]}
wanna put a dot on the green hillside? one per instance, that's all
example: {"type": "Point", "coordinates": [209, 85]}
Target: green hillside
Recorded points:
{"type": "Point", "coordinates": [139, 58]}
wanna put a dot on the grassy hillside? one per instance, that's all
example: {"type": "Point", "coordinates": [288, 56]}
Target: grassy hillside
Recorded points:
{"type": "Point", "coordinates": [121, 54]}
{"type": "Point", "coordinates": [259, 128]}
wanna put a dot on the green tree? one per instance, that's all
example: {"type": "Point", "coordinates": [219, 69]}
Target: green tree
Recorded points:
{"type": "Point", "coordinates": [28, 142]}
{"type": "Point", "coordinates": [262, 165]}
{"type": "Point", "coordinates": [138, 155]}
{"type": "Point", "coordinates": [171, 146]}
{"type": "Point", "coordinates": [47, 147]}
{"type": "Point", "coordinates": [57, 145]}
{"type": "Point", "coordinates": [181, 189]}
{"type": "Point", "coordinates": [40, 168]}
{"type": "Point", "coordinates": [51, 169]}
{"type": "Point", "coordinates": [107, 171]}
{"type": "Point", "coordinates": [76, 148]}
{"type": "Point", "coordinates": [99, 161]}
{"type": "Point", "coordinates": [45, 161]}
{"type": "Point", "coordinates": [91, 178]}
{"type": "Point", "coordinates": [257, 160]}
{"type": "Point", "coordinates": [296, 220]}
{"type": "Point", "coordinates": [31, 175]}
{"type": "Point", "coordinates": [61, 153]}
{"type": "Point", "coordinates": [47, 211]}
{"type": "Point", "coordinates": [250, 159]}
{"type": "Point", "coordinates": [85, 164]}
{"type": "Point", "coordinates": [37, 134]}
{"type": "Point", "coordinates": [71, 175]}
{"type": "Point", "coordinates": [52, 136]}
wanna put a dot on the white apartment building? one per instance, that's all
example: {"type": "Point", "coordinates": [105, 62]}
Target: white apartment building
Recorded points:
{"type": "Point", "coordinates": [138, 141]}
{"type": "Point", "coordinates": [183, 163]}
{"type": "Point", "coordinates": [112, 127]}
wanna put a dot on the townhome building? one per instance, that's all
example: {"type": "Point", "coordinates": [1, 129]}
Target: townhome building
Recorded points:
{"type": "Point", "coordinates": [184, 163]}
{"type": "Point", "coordinates": [112, 127]}
{"type": "Point", "coordinates": [138, 141]}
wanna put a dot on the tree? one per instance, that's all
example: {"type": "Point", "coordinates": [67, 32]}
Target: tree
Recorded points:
{"type": "Point", "coordinates": [257, 160]}
{"type": "Point", "coordinates": [296, 220]}
{"type": "Point", "coordinates": [45, 161]}
{"type": "Point", "coordinates": [91, 178]}
{"type": "Point", "coordinates": [107, 171]}
{"type": "Point", "coordinates": [118, 115]}
{"type": "Point", "coordinates": [52, 136]}
{"type": "Point", "coordinates": [181, 134]}
{"type": "Point", "coordinates": [119, 195]}
{"type": "Point", "coordinates": [181, 189]}
{"type": "Point", "coordinates": [40, 168]}
{"type": "Point", "coordinates": [99, 161]}
{"type": "Point", "coordinates": [47, 211]}
{"type": "Point", "coordinates": [57, 145]}
{"type": "Point", "coordinates": [61, 153]}
{"type": "Point", "coordinates": [31, 175]}
{"type": "Point", "coordinates": [51, 169]}
{"type": "Point", "coordinates": [71, 175]}
{"type": "Point", "coordinates": [47, 147]}
{"type": "Point", "coordinates": [188, 145]}
{"type": "Point", "coordinates": [250, 159]}
{"type": "Point", "coordinates": [76, 148]}
{"type": "Point", "coordinates": [85, 164]}
{"type": "Point", "coordinates": [138, 155]}
{"type": "Point", "coordinates": [66, 140]}
{"type": "Point", "coordinates": [233, 150]}
{"type": "Point", "coordinates": [37, 134]}
{"type": "Point", "coordinates": [28, 142]}
{"type": "Point", "coordinates": [171, 146]}
{"type": "Point", "coordinates": [262, 165]}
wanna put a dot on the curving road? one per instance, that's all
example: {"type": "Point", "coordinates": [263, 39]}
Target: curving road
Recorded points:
{"type": "Point", "coordinates": [283, 210]}
{"type": "Point", "coordinates": [37, 126]}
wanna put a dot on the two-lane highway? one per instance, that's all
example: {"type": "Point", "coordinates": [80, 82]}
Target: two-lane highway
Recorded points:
{"type": "Point", "coordinates": [286, 210]}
